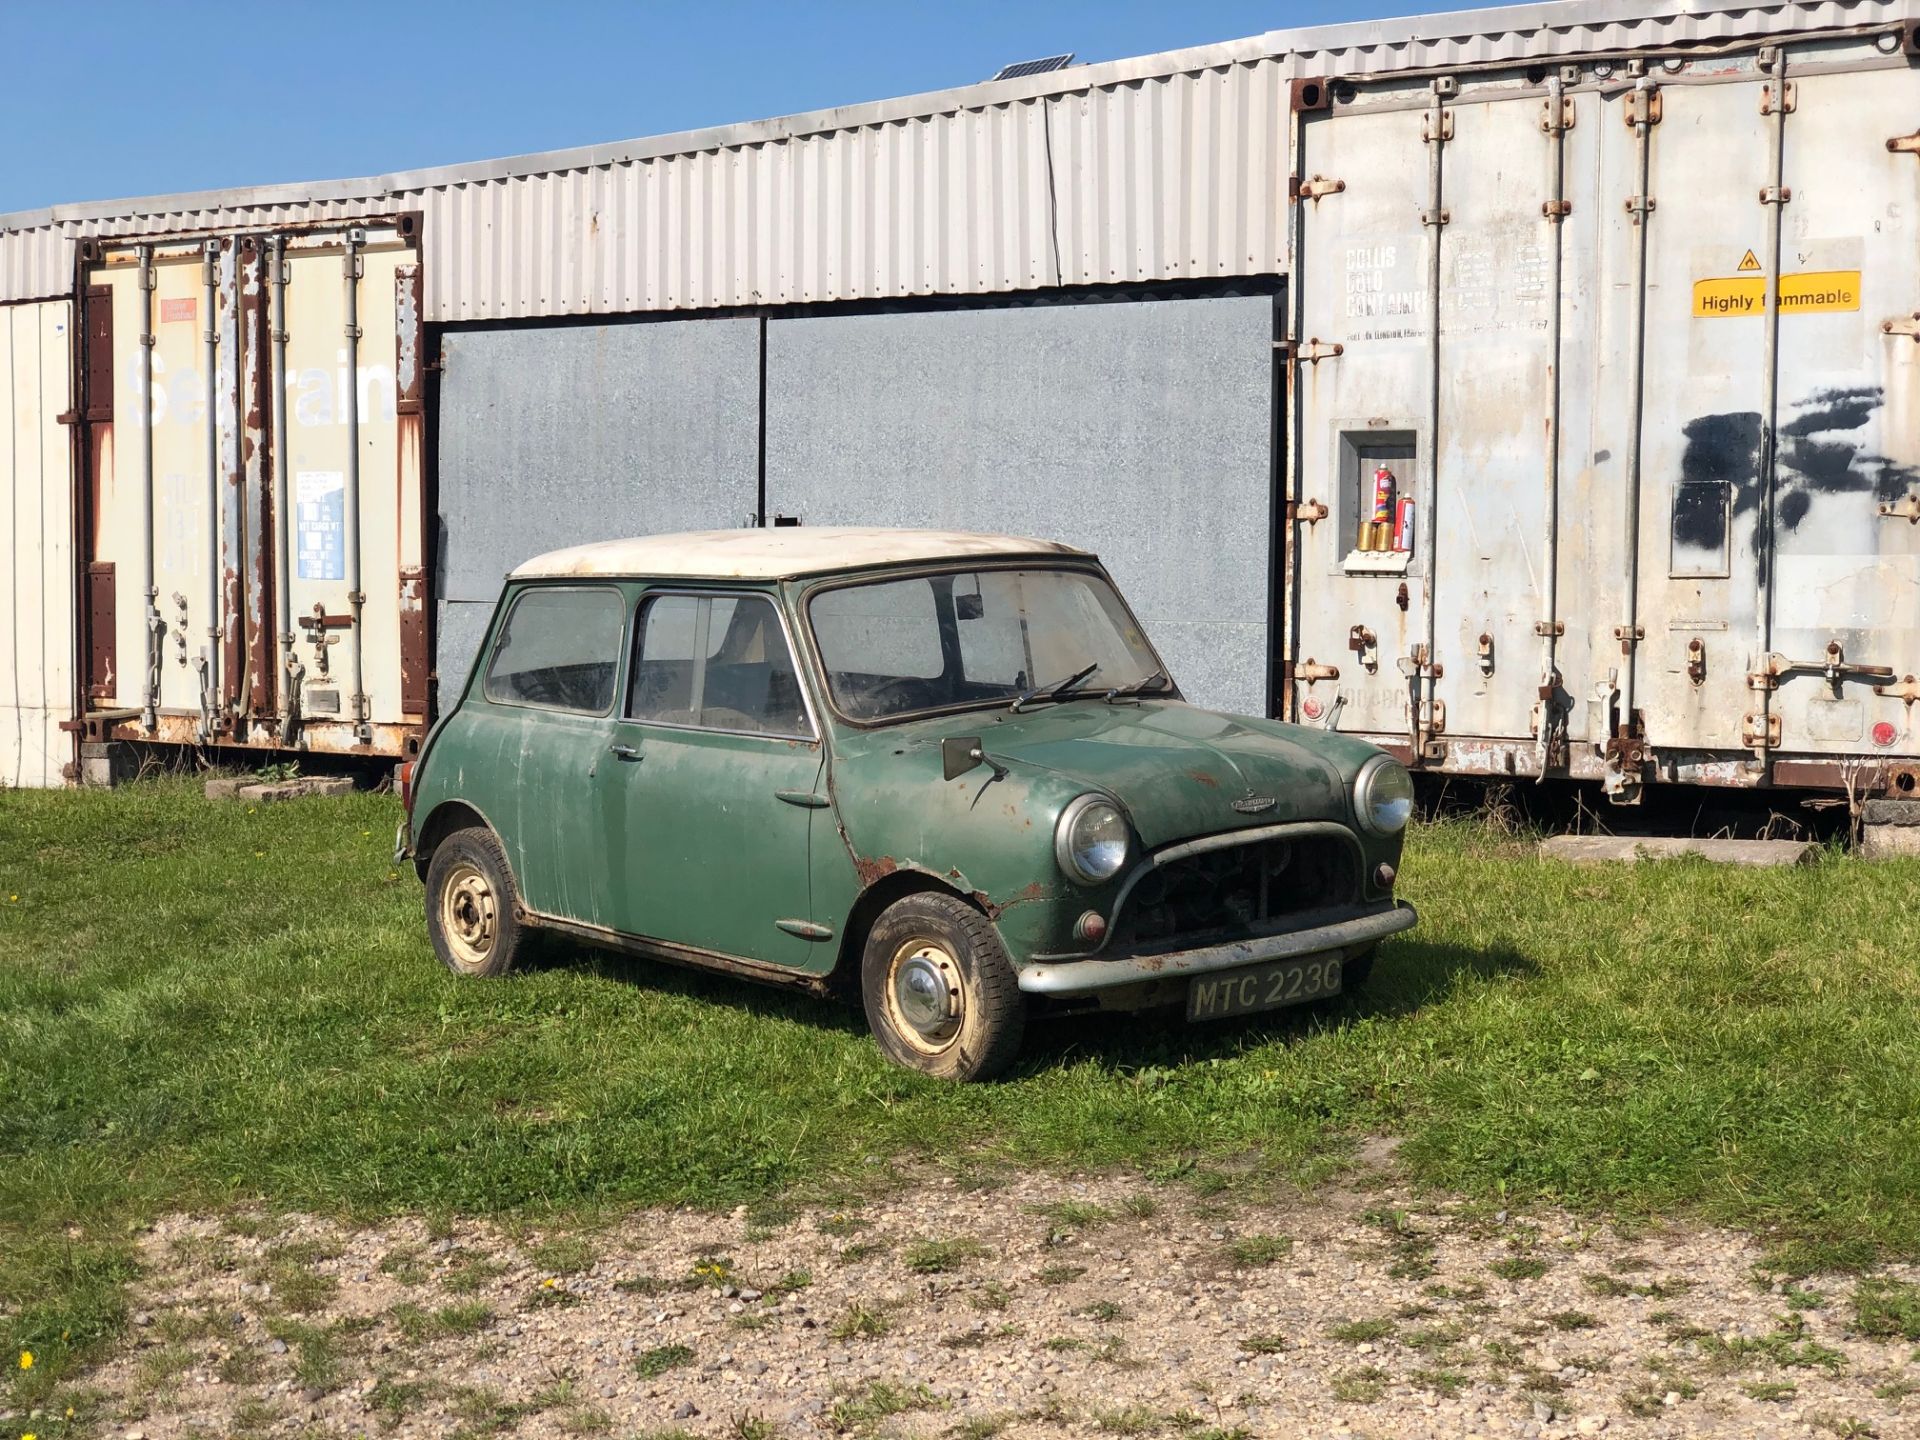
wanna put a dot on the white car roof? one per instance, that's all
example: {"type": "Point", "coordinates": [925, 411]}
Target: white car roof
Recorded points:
{"type": "Point", "coordinates": [777, 554]}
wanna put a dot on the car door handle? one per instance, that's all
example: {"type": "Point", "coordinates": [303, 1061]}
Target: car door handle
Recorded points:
{"type": "Point", "coordinates": [625, 752]}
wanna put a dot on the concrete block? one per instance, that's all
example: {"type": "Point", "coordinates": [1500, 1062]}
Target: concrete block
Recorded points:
{"type": "Point", "coordinates": [107, 763]}
{"type": "Point", "coordinates": [265, 792]}
{"type": "Point", "coordinates": [296, 789]}
{"type": "Point", "coordinates": [1890, 842]}
{"type": "Point", "coordinates": [1602, 849]}
{"type": "Point", "coordinates": [1902, 813]}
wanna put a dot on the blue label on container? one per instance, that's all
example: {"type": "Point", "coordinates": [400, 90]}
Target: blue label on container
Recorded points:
{"type": "Point", "coordinates": [322, 531]}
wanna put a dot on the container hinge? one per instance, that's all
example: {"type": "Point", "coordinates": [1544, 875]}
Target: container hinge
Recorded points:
{"type": "Point", "coordinates": [1553, 123]}
{"type": "Point", "coordinates": [1554, 628]}
{"type": "Point", "coordinates": [1445, 131]}
{"type": "Point", "coordinates": [1908, 690]}
{"type": "Point", "coordinates": [1557, 210]}
{"type": "Point", "coordinates": [1629, 636]}
{"type": "Point", "coordinates": [1319, 185]}
{"type": "Point", "coordinates": [1640, 204]}
{"type": "Point", "coordinates": [1907, 509]}
{"type": "Point", "coordinates": [1436, 217]}
{"type": "Point", "coordinates": [1776, 194]}
{"type": "Point", "coordinates": [1789, 90]}
{"type": "Point", "coordinates": [1697, 662]}
{"type": "Point", "coordinates": [1311, 351]}
{"type": "Point", "coordinates": [1904, 144]}
{"type": "Point", "coordinates": [1306, 512]}
{"type": "Point", "coordinates": [1415, 666]}
{"type": "Point", "coordinates": [1309, 671]}
{"type": "Point", "coordinates": [1907, 325]}
{"type": "Point", "coordinates": [1750, 731]}
{"type": "Point", "coordinates": [1642, 107]}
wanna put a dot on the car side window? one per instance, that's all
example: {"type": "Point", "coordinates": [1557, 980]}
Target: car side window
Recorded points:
{"type": "Point", "coordinates": [558, 649]}
{"type": "Point", "coordinates": [715, 662]}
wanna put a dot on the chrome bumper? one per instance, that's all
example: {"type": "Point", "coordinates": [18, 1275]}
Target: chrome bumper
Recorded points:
{"type": "Point", "coordinates": [1088, 977]}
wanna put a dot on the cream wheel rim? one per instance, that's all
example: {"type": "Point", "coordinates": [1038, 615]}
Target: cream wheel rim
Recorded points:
{"type": "Point", "coordinates": [926, 996]}
{"type": "Point", "coordinates": [469, 916]}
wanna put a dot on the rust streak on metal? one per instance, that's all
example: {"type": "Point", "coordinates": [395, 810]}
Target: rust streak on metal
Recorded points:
{"type": "Point", "coordinates": [1200, 777]}
{"type": "Point", "coordinates": [873, 871]}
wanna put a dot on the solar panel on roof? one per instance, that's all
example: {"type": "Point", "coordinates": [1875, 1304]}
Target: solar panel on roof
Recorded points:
{"type": "Point", "coordinates": [1035, 67]}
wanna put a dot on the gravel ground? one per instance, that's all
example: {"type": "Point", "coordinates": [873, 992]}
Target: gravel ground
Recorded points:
{"type": "Point", "coordinates": [1039, 1307]}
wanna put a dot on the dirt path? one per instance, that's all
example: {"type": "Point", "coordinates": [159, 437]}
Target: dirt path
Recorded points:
{"type": "Point", "coordinates": [1043, 1307]}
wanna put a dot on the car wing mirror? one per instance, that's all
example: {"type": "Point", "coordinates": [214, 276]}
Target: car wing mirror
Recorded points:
{"type": "Point", "coordinates": [959, 754]}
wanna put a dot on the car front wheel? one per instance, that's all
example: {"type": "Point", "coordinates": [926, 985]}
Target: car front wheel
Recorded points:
{"type": "Point", "coordinates": [939, 990]}
{"type": "Point", "coordinates": [470, 905]}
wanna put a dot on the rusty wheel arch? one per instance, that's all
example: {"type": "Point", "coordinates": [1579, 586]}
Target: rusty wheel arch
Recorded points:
{"type": "Point", "coordinates": [447, 817]}
{"type": "Point", "coordinates": [844, 979]}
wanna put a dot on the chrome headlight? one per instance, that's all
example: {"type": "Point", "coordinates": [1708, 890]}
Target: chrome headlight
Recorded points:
{"type": "Point", "coordinates": [1383, 796]}
{"type": "Point", "coordinates": [1090, 841]}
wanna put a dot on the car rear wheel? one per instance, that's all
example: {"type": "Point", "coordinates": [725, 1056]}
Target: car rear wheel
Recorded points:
{"type": "Point", "coordinates": [939, 991]}
{"type": "Point", "coordinates": [471, 902]}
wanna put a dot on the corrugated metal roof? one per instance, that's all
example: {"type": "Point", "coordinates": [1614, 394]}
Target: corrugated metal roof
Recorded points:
{"type": "Point", "coordinates": [1158, 168]}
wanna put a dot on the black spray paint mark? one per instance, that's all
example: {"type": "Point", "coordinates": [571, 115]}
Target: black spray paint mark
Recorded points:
{"type": "Point", "coordinates": [1820, 453]}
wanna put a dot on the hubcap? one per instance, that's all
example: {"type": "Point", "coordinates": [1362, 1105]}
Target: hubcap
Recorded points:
{"type": "Point", "coordinates": [467, 915]}
{"type": "Point", "coordinates": [927, 995]}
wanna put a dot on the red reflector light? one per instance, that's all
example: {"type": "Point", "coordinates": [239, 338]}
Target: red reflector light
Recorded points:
{"type": "Point", "coordinates": [1884, 733]}
{"type": "Point", "coordinates": [404, 780]}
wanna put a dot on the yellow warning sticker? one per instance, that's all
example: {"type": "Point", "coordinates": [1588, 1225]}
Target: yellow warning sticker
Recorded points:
{"type": "Point", "coordinates": [1809, 292]}
{"type": "Point", "coordinates": [1749, 261]}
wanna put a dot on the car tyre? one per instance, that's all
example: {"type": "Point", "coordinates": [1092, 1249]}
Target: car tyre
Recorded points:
{"type": "Point", "coordinates": [472, 905]}
{"type": "Point", "coordinates": [939, 990]}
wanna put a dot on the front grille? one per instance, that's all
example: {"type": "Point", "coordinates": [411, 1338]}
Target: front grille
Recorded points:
{"type": "Point", "coordinates": [1244, 889]}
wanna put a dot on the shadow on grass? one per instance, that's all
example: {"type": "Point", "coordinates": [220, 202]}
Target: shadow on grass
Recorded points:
{"type": "Point", "coordinates": [1408, 976]}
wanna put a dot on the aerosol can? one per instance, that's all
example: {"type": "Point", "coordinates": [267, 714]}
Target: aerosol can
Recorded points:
{"type": "Point", "coordinates": [1377, 532]}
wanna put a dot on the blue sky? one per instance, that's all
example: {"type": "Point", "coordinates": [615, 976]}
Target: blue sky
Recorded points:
{"type": "Point", "coordinates": [116, 99]}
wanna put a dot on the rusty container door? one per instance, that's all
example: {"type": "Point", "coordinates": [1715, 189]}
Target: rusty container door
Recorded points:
{"type": "Point", "coordinates": [325, 406]}
{"type": "Point", "coordinates": [36, 517]}
{"type": "Point", "coordinates": [1512, 392]}
{"type": "Point", "coordinates": [188, 419]}
{"type": "Point", "coordinates": [1361, 386]}
{"type": "Point", "coordinates": [210, 661]}
{"type": "Point", "coordinates": [1846, 631]}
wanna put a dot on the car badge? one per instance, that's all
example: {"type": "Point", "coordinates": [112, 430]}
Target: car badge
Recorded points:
{"type": "Point", "coordinates": [1252, 804]}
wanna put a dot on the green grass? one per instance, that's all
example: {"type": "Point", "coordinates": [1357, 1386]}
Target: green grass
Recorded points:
{"type": "Point", "coordinates": [202, 1007]}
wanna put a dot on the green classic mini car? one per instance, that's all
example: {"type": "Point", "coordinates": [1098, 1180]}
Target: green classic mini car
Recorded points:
{"type": "Point", "coordinates": [946, 770]}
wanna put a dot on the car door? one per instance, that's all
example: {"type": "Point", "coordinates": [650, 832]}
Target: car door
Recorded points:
{"type": "Point", "coordinates": [537, 729]}
{"type": "Point", "coordinates": [715, 787]}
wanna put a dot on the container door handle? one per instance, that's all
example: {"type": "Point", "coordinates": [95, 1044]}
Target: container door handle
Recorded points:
{"type": "Point", "coordinates": [625, 752]}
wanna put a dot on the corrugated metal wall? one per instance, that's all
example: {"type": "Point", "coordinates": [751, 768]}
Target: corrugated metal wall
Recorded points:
{"type": "Point", "coordinates": [36, 510]}
{"type": "Point", "coordinates": [1139, 431]}
{"type": "Point", "coordinates": [1169, 176]}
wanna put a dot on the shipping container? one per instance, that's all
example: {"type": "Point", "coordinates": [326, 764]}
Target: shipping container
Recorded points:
{"type": "Point", "coordinates": [1636, 336]}
{"type": "Point", "coordinates": [251, 504]}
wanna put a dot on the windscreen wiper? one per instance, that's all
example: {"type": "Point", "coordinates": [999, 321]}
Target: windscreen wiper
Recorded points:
{"type": "Point", "coordinates": [1053, 691]}
{"type": "Point", "coordinates": [1156, 681]}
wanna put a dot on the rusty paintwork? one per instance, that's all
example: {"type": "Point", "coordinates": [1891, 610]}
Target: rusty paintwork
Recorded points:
{"type": "Point", "coordinates": [637, 833]}
{"type": "Point", "coordinates": [256, 461]}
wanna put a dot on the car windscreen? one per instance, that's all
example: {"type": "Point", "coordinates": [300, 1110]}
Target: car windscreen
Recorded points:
{"type": "Point", "coordinates": [976, 637]}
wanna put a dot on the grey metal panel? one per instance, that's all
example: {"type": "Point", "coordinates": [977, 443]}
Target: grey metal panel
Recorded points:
{"type": "Point", "coordinates": [1137, 430]}
{"type": "Point", "coordinates": [557, 436]}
